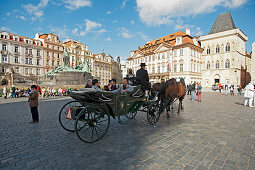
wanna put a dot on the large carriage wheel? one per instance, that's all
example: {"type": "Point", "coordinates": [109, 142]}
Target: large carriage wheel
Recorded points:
{"type": "Point", "coordinates": [65, 122]}
{"type": "Point", "coordinates": [131, 115]}
{"type": "Point", "coordinates": [92, 123]}
{"type": "Point", "coordinates": [153, 113]}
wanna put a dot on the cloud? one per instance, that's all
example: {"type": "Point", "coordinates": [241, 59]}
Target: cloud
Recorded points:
{"type": "Point", "coordinates": [108, 12]}
{"type": "Point", "coordinates": [62, 32]}
{"type": "Point", "coordinates": [38, 29]}
{"type": "Point", "coordinates": [21, 17]}
{"type": "Point", "coordinates": [91, 25]}
{"type": "Point", "coordinates": [75, 31]}
{"type": "Point", "coordinates": [125, 33]}
{"type": "Point", "coordinates": [179, 25]}
{"type": "Point", "coordinates": [143, 36]}
{"type": "Point", "coordinates": [161, 12]}
{"type": "Point", "coordinates": [8, 14]}
{"type": "Point", "coordinates": [82, 33]}
{"type": "Point", "coordinates": [124, 3]}
{"type": "Point", "coordinates": [76, 4]}
{"type": "Point", "coordinates": [115, 21]}
{"type": "Point", "coordinates": [108, 39]}
{"type": "Point", "coordinates": [36, 10]}
{"type": "Point", "coordinates": [6, 29]}
{"type": "Point", "coordinates": [132, 22]}
{"type": "Point", "coordinates": [198, 32]}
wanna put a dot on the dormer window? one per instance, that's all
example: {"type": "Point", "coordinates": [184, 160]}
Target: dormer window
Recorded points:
{"type": "Point", "coordinates": [178, 40]}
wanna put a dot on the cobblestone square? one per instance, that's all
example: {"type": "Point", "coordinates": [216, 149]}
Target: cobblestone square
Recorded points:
{"type": "Point", "coordinates": [218, 133]}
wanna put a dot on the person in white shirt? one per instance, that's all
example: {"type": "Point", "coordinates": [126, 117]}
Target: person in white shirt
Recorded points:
{"type": "Point", "coordinates": [249, 94]}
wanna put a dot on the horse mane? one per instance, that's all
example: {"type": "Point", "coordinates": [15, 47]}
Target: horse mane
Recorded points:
{"type": "Point", "coordinates": [182, 82]}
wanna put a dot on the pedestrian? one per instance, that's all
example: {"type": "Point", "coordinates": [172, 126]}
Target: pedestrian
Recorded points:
{"type": "Point", "coordinates": [226, 90]}
{"type": "Point", "coordinates": [220, 87]}
{"type": "Point", "coordinates": [193, 88]}
{"type": "Point", "coordinates": [231, 90]}
{"type": "Point", "coordinates": [5, 92]}
{"type": "Point", "coordinates": [239, 89]}
{"type": "Point", "coordinates": [189, 89]}
{"type": "Point", "coordinates": [60, 91]}
{"type": "Point", "coordinates": [199, 92]}
{"type": "Point", "coordinates": [249, 94]}
{"type": "Point", "coordinates": [13, 91]}
{"type": "Point", "coordinates": [33, 103]}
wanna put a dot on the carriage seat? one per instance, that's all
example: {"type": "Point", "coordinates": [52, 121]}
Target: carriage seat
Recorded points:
{"type": "Point", "coordinates": [137, 92]}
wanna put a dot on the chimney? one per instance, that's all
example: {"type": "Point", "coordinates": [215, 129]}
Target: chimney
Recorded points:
{"type": "Point", "coordinates": [37, 36]}
{"type": "Point", "coordinates": [188, 31]}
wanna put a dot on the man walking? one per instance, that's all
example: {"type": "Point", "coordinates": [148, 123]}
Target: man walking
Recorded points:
{"type": "Point", "coordinates": [33, 103]}
{"type": "Point", "coordinates": [193, 88]}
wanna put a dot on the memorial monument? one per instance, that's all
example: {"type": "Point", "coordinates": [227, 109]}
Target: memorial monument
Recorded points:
{"type": "Point", "coordinates": [67, 75]}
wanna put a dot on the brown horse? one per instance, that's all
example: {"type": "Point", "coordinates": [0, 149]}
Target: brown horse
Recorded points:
{"type": "Point", "coordinates": [170, 91]}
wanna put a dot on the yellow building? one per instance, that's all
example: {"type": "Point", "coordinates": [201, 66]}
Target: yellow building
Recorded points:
{"type": "Point", "coordinates": [78, 53]}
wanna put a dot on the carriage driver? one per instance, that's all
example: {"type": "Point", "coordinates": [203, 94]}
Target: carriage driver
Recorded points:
{"type": "Point", "coordinates": [143, 77]}
{"type": "Point", "coordinates": [124, 88]}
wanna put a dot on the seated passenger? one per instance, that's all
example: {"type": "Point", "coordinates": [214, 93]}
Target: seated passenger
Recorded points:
{"type": "Point", "coordinates": [109, 86]}
{"type": "Point", "coordinates": [114, 86]}
{"type": "Point", "coordinates": [124, 88]}
{"type": "Point", "coordinates": [89, 83]}
{"type": "Point", "coordinates": [95, 85]}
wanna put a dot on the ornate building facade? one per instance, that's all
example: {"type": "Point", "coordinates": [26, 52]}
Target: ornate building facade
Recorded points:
{"type": "Point", "coordinates": [78, 53]}
{"type": "Point", "coordinates": [176, 55]}
{"type": "Point", "coordinates": [224, 56]}
{"type": "Point", "coordinates": [253, 63]}
{"type": "Point", "coordinates": [53, 50]}
{"type": "Point", "coordinates": [105, 68]}
{"type": "Point", "coordinates": [21, 58]}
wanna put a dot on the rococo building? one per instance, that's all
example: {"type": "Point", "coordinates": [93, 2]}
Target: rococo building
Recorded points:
{"type": "Point", "coordinates": [176, 55]}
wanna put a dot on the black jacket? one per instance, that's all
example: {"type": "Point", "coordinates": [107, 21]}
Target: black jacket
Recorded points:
{"type": "Point", "coordinates": [143, 77]}
{"type": "Point", "coordinates": [87, 86]}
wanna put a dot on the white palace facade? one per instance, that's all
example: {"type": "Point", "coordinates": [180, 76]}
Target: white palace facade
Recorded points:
{"type": "Point", "coordinates": [176, 55]}
{"type": "Point", "coordinates": [225, 60]}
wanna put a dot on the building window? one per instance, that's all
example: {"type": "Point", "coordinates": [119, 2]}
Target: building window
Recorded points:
{"type": "Point", "coordinates": [26, 51]}
{"type": "Point", "coordinates": [3, 69]}
{"type": "Point", "coordinates": [208, 51]}
{"type": "Point", "coordinates": [175, 53]}
{"type": "Point", "coordinates": [52, 63]}
{"type": "Point", "coordinates": [58, 63]}
{"type": "Point", "coordinates": [38, 71]}
{"type": "Point", "coordinates": [217, 64]}
{"type": "Point", "coordinates": [52, 54]}
{"type": "Point", "coordinates": [228, 47]}
{"type": "Point", "coordinates": [181, 52]}
{"type": "Point", "coordinates": [208, 65]}
{"type": "Point", "coordinates": [4, 47]}
{"type": "Point", "coordinates": [30, 51]}
{"type": "Point", "coordinates": [26, 61]}
{"type": "Point", "coordinates": [16, 59]}
{"type": "Point", "coordinates": [217, 49]}
{"type": "Point", "coordinates": [158, 69]}
{"type": "Point", "coordinates": [16, 49]}
{"type": "Point", "coordinates": [181, 67]}
{"type": "Point", "coordinates": [38, 62]}
{"type": "Point", "coordinates": [4, 58]}
{"type": "Point", "coordinates": [26, 71]}
{"type": "Point", "coordinates": [30, 60]}
{"type": "Point", "coordinates": [38, 52]}
{"type": "Point", "coordinates": [47, 62]}
{"type": "Point", "coordinates": [227, 64]}
{"type": "Point", "coordinates": [153, 69]}
{"type": "Point", "coordinates": [48, 53]}
{"type": "Point", "coordinates": [17, 69]}
{"type": "Point", "coordinates": [175, 68]}
{"type": "Point", "coordinates": [58, 55]}
{"type": "Point", "coordinates": [159, 56]}
{"type": "Point", "coordinates": [163, 56]}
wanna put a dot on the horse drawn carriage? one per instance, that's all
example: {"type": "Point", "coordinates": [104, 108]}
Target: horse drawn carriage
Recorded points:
{"type": "Point", "coordinates": [89, 114]}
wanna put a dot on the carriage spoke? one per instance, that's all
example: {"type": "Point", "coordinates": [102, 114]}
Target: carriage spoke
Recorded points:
{"type": "Point", "coordinates": [92, 134]}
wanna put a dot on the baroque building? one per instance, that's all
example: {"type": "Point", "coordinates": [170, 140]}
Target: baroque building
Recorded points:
{"type": "Point", "coordinates": [78, 53]}
{"type": "Point", "coordinates": [53, 50]}
{"type": "Point", "coordinates": [105, 68]}
{"type": "Point", "coordinates": [21, 58]}
{"type": "Point", "coordinates": [176, 55]}
{"type": "Point", "coordinates": [224, 58]}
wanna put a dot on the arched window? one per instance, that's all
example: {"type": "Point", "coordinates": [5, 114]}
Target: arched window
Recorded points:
{"type": "Point", "coordinates": [228, 47]}
{"type": "Point", "coordinates": [217, 64]}
{"type": "Point", "coordinates": [227, 64]}
{"type": "Point", "coordinates": [208, 65]}
{"type": "Point", "coordinates": [208, 50]}
{"type": "Point", "coordinates": [217, 49]}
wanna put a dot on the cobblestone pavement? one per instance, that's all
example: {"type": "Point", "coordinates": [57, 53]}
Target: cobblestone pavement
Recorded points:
{"type": "Point", "coordinates": [218, 133]}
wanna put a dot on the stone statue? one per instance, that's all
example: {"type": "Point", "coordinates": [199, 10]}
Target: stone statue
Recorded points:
{"type": "Point", "coordinates": [66, 58]}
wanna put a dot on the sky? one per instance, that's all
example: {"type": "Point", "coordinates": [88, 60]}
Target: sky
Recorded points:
{"type": "Point", "coordinates": [119, 26]}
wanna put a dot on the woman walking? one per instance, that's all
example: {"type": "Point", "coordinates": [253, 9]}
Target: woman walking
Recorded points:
{"type": "Point", "coordinates": [199, 91]}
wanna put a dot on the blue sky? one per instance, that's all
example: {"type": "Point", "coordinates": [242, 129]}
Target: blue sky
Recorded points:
{"type": "Point", "coordinates": [119, 26]}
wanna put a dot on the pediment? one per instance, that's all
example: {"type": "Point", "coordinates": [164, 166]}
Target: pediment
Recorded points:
{"type": "Point", "coordinates": [163, 47]}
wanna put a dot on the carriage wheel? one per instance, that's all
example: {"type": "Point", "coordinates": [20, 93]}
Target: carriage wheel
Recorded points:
{"type": "Point", "coordinates": [153, 113]}
{"type": "Point", "coordinates": [92, 124]}
{"type": "Point", "coordinates": [67, 124]}
{"type": "Point", "coordinates": [131, 115]}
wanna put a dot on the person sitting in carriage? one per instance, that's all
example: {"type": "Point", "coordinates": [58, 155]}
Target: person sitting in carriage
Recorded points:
{"type": "Point", "coordinates": [124, 88]}
{"type": "Point", "coordinates": [95, 85]}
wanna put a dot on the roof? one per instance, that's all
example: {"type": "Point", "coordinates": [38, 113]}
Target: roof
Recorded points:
{"type": "Point", "coordinates": [43, 36]}
{"type": "Point", "coordinates": [167, 40]}
{"type": "Point", "coordinates": [248, 54]}
{"type": "Point", "coordinates": [223, 22]}
{"type": "Point", "coordinates": [21, 38]}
